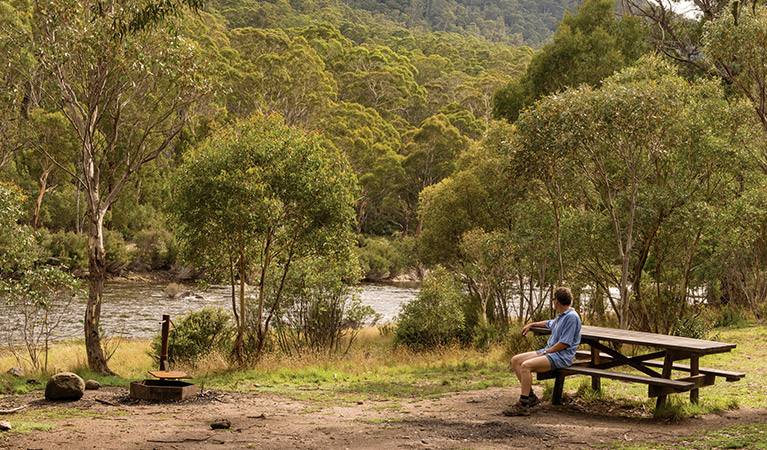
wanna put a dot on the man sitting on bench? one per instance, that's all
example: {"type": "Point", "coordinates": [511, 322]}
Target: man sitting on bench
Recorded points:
{"type": "Point", "coordinates": [558, 353]}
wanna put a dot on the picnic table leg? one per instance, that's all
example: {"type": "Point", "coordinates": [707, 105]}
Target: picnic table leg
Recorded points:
{"type": "Point", "coordinates": [559, 385]}
{"type": "Point", "coordinates": [694, 370]}
{"type": "Point", "coordinates": [596, 382]}
{"type": "Point", "coordinates": [668, 363]}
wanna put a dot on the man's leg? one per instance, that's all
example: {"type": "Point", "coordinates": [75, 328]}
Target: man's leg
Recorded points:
{"type": "Point", "coordinates": [517, 360]}
{"type": "Point", "coordinates": [524, 365]}
{"type": "Point", "coordinates": [526, 369]}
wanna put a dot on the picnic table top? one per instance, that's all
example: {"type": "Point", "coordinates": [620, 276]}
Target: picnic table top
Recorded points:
{"type": "Point", "coordinates": [682, 344]}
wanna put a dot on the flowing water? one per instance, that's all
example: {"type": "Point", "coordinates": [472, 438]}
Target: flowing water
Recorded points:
{"type": "Point", "coordinates": [134, 309]}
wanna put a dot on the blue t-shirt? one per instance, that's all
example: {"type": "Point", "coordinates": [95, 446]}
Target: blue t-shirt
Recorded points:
{"type": "Point", "coordinates": [565, 328]}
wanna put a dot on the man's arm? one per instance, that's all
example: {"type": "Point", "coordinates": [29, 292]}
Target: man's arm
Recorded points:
{"type": "Point", "coordinates": [558, 347]}
{"type": "Point", "coordinates": [527, 327]}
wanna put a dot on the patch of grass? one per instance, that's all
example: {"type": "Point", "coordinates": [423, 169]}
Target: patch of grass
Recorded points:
{"type": "Point", "coordinates": [738, 436]}
{"type": "Point", "coordinates": [379, 421]}
{"type": "Point", "coordinates": [26, 427]}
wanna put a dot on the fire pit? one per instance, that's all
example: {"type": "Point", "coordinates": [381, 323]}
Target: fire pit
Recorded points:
{"type": "Point", "coordinates": [167, 386]}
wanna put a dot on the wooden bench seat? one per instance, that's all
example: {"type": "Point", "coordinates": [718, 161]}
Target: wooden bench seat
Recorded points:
{"type": "Point", "coordinates": [622, 376]}
{"type": "Point", "coordinates": [656, 386]}
{"type": "Point", "coordinates": [727, 375]}
{"type": "Point", "coordinates": [584, 357]}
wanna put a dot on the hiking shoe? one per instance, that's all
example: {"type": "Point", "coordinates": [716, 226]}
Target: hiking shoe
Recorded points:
{"type": "Point", "coordinates": [534, 400]}
{"type": "Point", "coordinates": [517, 409]}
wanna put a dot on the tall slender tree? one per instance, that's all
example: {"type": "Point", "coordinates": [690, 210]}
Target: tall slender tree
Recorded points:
{"type": "Point", "coordinates": [127, 84]}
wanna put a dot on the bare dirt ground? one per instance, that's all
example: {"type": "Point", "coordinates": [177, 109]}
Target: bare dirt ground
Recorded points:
{"type": "Point", "coordinates": [108, 419]}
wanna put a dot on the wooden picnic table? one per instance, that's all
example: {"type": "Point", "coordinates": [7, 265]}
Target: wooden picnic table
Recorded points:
{"type": "Point", "coordinates": [598, 362]}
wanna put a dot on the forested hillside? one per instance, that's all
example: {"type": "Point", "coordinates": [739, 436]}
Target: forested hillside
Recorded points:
{"type": "Point", "coordinates": [515, 22]}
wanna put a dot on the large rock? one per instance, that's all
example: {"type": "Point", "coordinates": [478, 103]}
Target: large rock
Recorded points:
{"type": "Point", "coordinates": [65, 386]}
{"type": "Point", "coordinates": [17, 372]}
{"type": "Point", "coordinates": [5, 426]}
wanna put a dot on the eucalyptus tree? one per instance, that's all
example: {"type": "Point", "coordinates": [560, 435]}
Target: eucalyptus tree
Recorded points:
{"type": "Point", "coordinates": [736, 45]}
{"type": "Point", "coordinates": [366, 139]}
{"type": "Point", "coordinates": [586, 48]}
{"type": "Point", "coordinates": [379, 78]}
{"type": "Point", "coordinates": [50, 136]}
{"type": "Point", "coordinates": [15, 74]}
{"type": "Point", "coordinates": [127, 84]}
{"type": "Point", "coordinates": [256, 198]}
{"type": "Point", "coordinates": [625, 140]}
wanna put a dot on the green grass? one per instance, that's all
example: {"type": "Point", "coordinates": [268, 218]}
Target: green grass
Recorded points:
{"type": "Point", "coordinates": [26, 427]}
{"type": "Point", "coordinates": [738, 436]}
{"type": "Point", "coordinates": [46, 418]}
{"type": "Point", "coordinates": [393, 380]}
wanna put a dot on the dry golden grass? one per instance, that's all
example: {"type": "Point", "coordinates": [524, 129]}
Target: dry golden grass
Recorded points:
{"type": "Point", "coordinates": [130, 358]}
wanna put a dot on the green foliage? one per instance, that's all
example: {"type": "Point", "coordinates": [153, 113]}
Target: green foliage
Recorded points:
{"type": "Point", "coordinates": [694, 325]}
{"type": "Point", "coordinates": [435, 317]}
{"type": "Point", "coordinates": [587, 48]}
{"type": "Point", "coordinates": [157, 248]}
{"type": "Point", "coordinates": [197, 334]}
{"type": "Point", "coordinates": [66, 247]}
{"type": "Point", "coordinates": [729, 316]}
{"type": "Point", "coordinates": [516, 22]}
{"type": "Point", "coordinates": [484, 335]}
{"type": "Point", "coordinates": [15, 239]}
{"type": "Point", "coordinates": [257, 198]}
{"type": "Point", "coordinates": [382, 258]}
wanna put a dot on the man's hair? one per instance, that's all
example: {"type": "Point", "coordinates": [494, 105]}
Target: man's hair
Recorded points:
{"type": "Point", "coordinates": [563, 295]}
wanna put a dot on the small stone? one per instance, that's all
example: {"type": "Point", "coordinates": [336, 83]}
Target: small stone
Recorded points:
{"type": "Point", "coordinates": [221, 424]}
{"type": "Point", "coordinates": [92, 385]}
{"type": "Point", "coordinates": [17, 372]}
{"type": "Point", "coordinates": [65, 386]}
{"type": "Point", "coordinates": [5, 426]}
{"type": "Point", "coordinates": [360, 402]}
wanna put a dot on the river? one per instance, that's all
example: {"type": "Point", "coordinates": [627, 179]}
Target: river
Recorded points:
{"type": "Point", "coordinates": [133, 309]}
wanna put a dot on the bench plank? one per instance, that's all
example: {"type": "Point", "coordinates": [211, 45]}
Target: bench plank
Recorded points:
{"type": "Point", "coordinates": [727, 375]}
{"type": "Point", "coordinates": [630, 377]}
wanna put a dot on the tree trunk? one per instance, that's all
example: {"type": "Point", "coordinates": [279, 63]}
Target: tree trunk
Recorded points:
{"type": "Point", "coordinates": [97, 274]}
{"type": "Point", "coordinates": [43, 187]}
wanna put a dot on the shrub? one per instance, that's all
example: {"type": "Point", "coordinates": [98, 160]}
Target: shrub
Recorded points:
{"type": "Point", "coordinates": [196, 335]}
{"type": "Point", "coordinates": [730, 316]}
{"type": "Point", "coordinates": [68, 248]}
{"type": "Point", "coordinates": [694, 325]}
{"type": "Point", "coordinates": [156, 248]}
{"type": "Point", "coordinates": [117, 254]}
{"type": "Point", "coordinates": [435, 317]}
{"type": "Point", "coordinates": [381, 258]}
{"type": "Point", "coordinates": [515, 344]}
{"type": "Point", "coordinates": [485, 334]}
